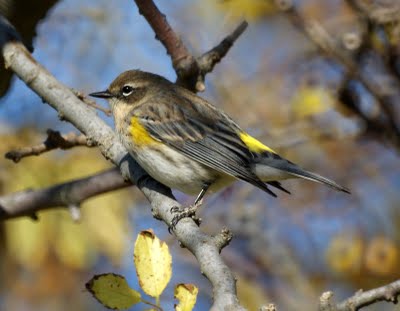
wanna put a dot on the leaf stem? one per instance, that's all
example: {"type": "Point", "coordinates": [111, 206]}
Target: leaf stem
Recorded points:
{"type": "Point", "coordinates": [152, 304]}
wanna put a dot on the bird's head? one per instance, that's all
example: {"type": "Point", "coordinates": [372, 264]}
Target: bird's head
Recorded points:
{"type": "Point", "coordinates": [130, 87]}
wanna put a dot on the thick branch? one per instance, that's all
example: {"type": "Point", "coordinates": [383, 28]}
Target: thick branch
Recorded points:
{"type": "Point", "coordinates": [182, 61]}
{"type": "Point", "coordinates": [72, 193]}
{"type": "Point", "coordinates": [54, 140]}
{"type": "Point", "coordinates": [70, 108]}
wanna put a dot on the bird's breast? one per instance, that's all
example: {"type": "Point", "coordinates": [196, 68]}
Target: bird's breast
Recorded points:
{"type": "Point", "coordinates": [139, 135]}
{"type": "Point", "coordinates": [176, 170]}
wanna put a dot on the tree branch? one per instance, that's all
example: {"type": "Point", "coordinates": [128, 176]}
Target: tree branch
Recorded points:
{"type": "Point", "coordinates": [209, 59]}
{"type": "Point", "coordinates": [91, 102]}
{"type": "Point", "coordinates": [361, 299]}
{"type": "Point", "coordinates": [190, 71]}
{"type": "Point", "coordinates": [72, 193]}
{"type": "Point", "coordinates": [54, 140]}
{"type": "Point", "coordinates": [84, 118]}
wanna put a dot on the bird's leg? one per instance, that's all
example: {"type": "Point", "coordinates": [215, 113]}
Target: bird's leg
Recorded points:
{"type": "Point", "coordinates": [189, 211]}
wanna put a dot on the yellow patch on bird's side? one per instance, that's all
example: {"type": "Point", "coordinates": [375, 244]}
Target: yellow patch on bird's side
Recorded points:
{"type": "Point", "coordinates": [139, 134]}
{"type": "Point", "coordinates": [253, 144]}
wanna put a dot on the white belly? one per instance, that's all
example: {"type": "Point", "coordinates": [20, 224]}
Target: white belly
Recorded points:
{"type": "Point", "coordinates": [177, 171]}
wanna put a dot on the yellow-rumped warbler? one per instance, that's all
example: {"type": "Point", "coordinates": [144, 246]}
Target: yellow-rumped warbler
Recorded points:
{"type": "Point", "coordinates": [187, 144]}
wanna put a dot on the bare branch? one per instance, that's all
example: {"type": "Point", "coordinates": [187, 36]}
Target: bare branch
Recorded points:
{"type": "Point", "coordinates": [182, 61]}
{"type": "Point", "coordinates": [190, 70]}
{"type": "Point", "coordinates": [54, 140]}
{"type": "Point", "coordinates": [325, 302]}
{"type": "Point", "coordinates": [361, 299]}
{"type": "Point", "coordinates": [209, 59]}
{"type": "Point", "coordinates": [91, 102]}
{"type": "Point", "coordinates": [72, 193]}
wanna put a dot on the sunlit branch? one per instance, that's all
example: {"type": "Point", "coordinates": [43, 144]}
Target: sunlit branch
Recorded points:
{"type": "Point", "coordinates": [69, 194]}
{"type": "Point", "coordinates": [54, 141]}
{"type": "Point", "coordinates": [361, 299]}
{"type": "Point", "coordinates": [389, 293]}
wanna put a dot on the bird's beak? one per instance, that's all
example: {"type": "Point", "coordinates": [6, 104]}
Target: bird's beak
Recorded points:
{"type": "Point", "coordinates": [103, 94]}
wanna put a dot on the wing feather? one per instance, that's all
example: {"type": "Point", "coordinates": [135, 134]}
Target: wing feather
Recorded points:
{"type": "Point", "coordinates": [214, 143]}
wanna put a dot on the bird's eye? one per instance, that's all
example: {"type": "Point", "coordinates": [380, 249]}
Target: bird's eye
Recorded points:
{"type": "Point", "coordinates": [127, 90]}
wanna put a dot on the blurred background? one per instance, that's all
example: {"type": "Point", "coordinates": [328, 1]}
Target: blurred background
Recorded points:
{"type": "Point", "coordinates": [318, 83]}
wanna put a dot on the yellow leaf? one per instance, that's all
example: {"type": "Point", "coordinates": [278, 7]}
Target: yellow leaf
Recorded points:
{"type": "Point", "coordinates": [248, 9]}
{"type": "Point", "coordinates": [112, 291]}
{"type": "Point", "coordinates": [186, 294]}
{"type": "Point", "coordinates": [153, 263]}
{"type": "Point", "coordinates": [312, 100]}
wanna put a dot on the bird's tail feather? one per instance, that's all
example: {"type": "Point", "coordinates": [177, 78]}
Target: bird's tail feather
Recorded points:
{"type": "Point", "coordinates": [289, 168]}
{"type": "Point", "coordinates": [298, 172]}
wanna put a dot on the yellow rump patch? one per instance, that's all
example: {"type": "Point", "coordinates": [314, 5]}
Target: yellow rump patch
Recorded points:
{"type": "Point", "coordinates": [139, 134]}
{"type": "Point", "coordinates": [253, 144]}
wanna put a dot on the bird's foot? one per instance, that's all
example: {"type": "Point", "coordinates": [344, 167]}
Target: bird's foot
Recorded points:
{"type": "Point", "coordinates": [183, 212]}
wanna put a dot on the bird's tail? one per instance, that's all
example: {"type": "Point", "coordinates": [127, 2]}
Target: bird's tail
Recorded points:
{"type": "Point", "coordinates": [298, 172]}
{"type": "Point", "coordinates": [287, 169]}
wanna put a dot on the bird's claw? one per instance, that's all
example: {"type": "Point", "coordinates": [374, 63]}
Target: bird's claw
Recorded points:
{"type": "Point", "coordinates": [183, 212]}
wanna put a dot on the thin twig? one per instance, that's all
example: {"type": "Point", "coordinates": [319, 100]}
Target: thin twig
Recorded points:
{"type": "Point", "coordinates": [361, 299]}
{"type": "Point", "coordinates": [91, 102]}
{"type": "Point", "coordinates": [54, 140]}
{"type": "Point", "coordinates": [208, 60]}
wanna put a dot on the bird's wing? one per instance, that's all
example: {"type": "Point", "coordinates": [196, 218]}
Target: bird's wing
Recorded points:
{"type": "Point", "coordinates": [211, 140]}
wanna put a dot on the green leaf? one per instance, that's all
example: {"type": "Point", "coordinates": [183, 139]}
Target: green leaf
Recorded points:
{"type": "Point", "coordinates": [112, 291]}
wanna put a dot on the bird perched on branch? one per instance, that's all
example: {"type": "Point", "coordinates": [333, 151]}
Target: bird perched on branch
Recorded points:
{"type": "Point", "coordinates": [187, 144]}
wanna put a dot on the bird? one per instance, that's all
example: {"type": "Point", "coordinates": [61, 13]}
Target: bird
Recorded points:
{"type": "Point", "coordinates": [188, 144]}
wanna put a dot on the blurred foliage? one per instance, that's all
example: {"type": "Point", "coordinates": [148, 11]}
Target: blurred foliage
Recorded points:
{"type": "Point", "coordinates": [55, 239]}
{"type": "Point", "coordinates": [248, 9]}
{"type": "Point", "coordinates": [309, 101]}
{"type": "Point", "coordinates": [103, 229]}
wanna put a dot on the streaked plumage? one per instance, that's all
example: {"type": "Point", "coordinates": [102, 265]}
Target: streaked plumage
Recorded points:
{"type": "Point", "coordinates": [186, 143]}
